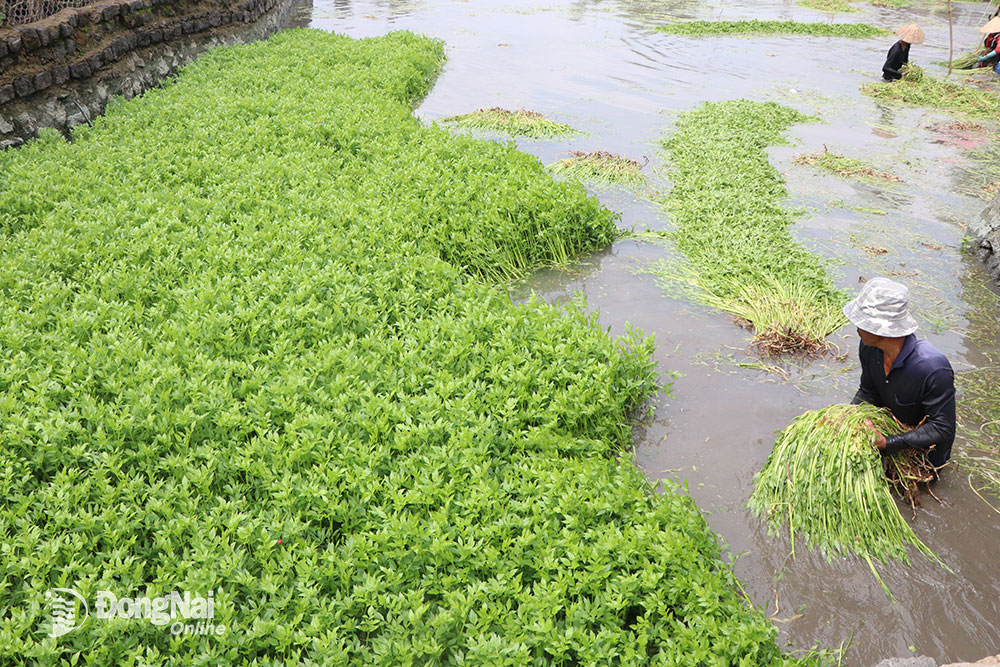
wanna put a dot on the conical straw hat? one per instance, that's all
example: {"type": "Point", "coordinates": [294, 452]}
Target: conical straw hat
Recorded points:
{"type": "Point", "coordinates": [992, 26]}
{"type": "Point", "coordinates": [911, 34]}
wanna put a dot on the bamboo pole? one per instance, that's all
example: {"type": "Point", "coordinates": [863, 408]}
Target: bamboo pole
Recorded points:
{"type": "Point", "coordinates": [951, 40]}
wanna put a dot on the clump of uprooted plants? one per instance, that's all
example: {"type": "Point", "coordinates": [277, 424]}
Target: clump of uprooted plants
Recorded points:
{"type": "Point", "coordinates": [600, 166]}
{"type": "Point", "coordinates": [845, 166]}
{"type": "Point", "coordinates": [519, 123]}
{"type": "Point", "coordinates": [826, 480]}
{"type": "Point", "coordinates": [917, 88]}
{"type": "Point", "coordinates": [759, 27]}
{"type": "Point", "coordinates": [732, 228]}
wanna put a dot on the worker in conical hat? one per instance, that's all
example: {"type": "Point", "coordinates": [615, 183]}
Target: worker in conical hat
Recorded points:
{"type": "Point", "coordinates": [991, 44]}
{"type": "Point", "coordinates": [899, 53]}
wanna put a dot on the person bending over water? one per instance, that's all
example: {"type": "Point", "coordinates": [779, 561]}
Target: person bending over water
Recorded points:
{"type": "Point", "coordinates": [899, 53]}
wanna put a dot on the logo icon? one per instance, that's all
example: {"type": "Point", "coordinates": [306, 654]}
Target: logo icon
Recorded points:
{"type": "Point", "coordinates": [62, 602]}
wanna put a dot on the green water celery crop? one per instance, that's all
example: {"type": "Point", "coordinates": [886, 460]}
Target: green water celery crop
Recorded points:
{"type": "Point", "coordinates": [520, 123]}
{"type": "Point", "coordinates": [917, 88]}
{"type": "Point", "coordinates": [825, 480]}
{"type": "Point", "coordinates": [600, 166]}
{"type": "Point", "coordinates": [731, 226]}
{"type": "Point", "coordinates": [254, 340]}
{"type": "Point", "coordinates": [759, 27]}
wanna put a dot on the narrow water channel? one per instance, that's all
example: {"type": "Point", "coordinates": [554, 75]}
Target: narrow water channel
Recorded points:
{"type": "Point", "coordinates": [601, 67]}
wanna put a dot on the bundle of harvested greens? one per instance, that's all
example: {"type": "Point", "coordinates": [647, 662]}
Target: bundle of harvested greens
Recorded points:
{"type": "Point", "coordinates": [845, 166]}
{"type": "Point", "coordinates": [520, 123]}
{"type": "Point", "coordinates": [826, 479]}
{"type": "Point", "coordinates": [600, 166]}
{"type": "Point", "coordinates": [917, 88]}
{"type": "Point", "coordinates": [911, 72]}
{"type": "Point", "coordinates": [964, 61]}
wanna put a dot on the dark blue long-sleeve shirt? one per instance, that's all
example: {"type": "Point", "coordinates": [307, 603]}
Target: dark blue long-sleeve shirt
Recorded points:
{"type": "Point", "coordinates": [898, 56]}
{"type": "Point", "coordinates": [921, 384]}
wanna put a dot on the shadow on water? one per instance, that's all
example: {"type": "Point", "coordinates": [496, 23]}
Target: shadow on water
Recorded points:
{"type": "Point", "coordinates": [602, 68]}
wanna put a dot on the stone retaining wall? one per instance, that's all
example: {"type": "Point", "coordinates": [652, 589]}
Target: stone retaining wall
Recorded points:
{"type": "Point", "coordinates": [61, 71]}
{"type": "Point", "coordinates": [986, 229]}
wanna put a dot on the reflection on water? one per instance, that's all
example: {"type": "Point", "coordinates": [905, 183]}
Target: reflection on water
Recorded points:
{"type": "Point", "coordinates": [601, 67]}
{"type": "Point", "coordinates": [301, 15]}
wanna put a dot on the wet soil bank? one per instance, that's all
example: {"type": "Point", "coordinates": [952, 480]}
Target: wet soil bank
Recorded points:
{"type": "Point", "coordinates": [986, 229]}
{"type": "Point", "coordinates": [63, 70]}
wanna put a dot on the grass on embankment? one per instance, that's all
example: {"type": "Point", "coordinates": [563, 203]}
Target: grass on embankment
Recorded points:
{"type": "Point", "coordinates": [759, 27]}
{"type": "Point", "coordinates": [520, 123]}
{"type": "Point", "coordinates": [726, 205]}
{"type": "Point", "coordinates": [254, 340]}
{"type": "Point", "coordinates": [917, 88]}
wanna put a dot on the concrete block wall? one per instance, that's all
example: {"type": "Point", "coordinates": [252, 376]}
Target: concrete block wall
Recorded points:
{"type": "Point", "coordinates": [61, 71]}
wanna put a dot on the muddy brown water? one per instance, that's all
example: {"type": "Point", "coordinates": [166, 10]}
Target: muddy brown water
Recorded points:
{"type": "Point", "coordinates": [602, 68]}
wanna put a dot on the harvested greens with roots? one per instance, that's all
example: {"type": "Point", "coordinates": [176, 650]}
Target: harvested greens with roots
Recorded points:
{"type": "Point", "coordinates": [827, 480]}
{"type": "Point", "coordinates": [844, 166]}
{"type": "Point", "coordinates": [919, 89]}
{"type": "Point", "coordinates": [520, 123]}
{"type": "Point", "coordinates": [733, 229]}
{"type": "Point", "coordinates": [965, 61]}
{"type": "Point", "coordinates": [600, 166]}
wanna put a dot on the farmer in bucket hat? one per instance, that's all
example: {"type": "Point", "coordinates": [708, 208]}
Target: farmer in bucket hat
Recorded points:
{"type": "Point", "coordinates": [898, 371]}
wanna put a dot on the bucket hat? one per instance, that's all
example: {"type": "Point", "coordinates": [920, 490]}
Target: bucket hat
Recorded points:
{"type": "Point", "coordinates": [882, 308]}
{"type": "Point", "coordinates": [993, 25]}
{"type": "Point", "coordinates": [911, 34]}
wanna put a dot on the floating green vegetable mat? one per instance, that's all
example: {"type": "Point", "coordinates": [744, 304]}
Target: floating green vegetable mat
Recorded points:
{"type": "Point", "coordinates": [758, 27]}
{"type": "Point", "coordinates": [726, 205]}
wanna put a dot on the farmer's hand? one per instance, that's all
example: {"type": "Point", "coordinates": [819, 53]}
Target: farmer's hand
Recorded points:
{"type": "Point", "coordinates": [877, 438]}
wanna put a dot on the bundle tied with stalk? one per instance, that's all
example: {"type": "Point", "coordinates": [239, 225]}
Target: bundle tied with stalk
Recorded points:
{"type": "Point", "coordinates": [827, 480]}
